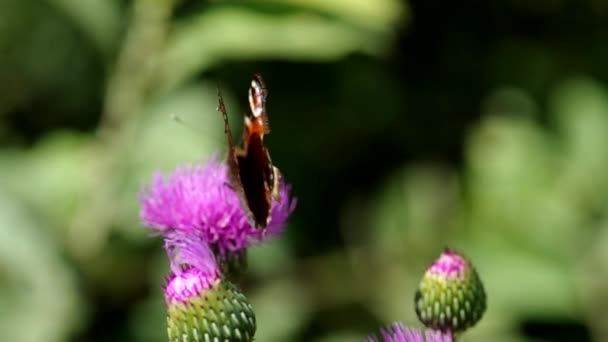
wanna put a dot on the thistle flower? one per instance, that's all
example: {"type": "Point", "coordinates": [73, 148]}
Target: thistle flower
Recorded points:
{"type": "Point", "coordinates": [450, 297]}
{"type": "Point", "coordinates": [198, 199]}
{"type": "Point", "coordinates": [201, 306]}
{"type": "Point", "coordinates": [398, 332]}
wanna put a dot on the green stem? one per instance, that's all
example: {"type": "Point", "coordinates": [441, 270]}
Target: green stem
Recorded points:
{"type": "Point", "coordinates": [131, 80]}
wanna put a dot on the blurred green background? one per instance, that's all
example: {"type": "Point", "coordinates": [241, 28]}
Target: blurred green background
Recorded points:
{"type": "Point", "coordinates": [403, 127]}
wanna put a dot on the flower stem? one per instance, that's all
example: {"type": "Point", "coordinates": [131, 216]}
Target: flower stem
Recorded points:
{"type": "Point", "coordinates": [131, 80]}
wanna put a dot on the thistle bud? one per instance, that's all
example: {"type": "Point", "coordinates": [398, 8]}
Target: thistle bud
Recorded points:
{"type": "Point", "coordinates": [201, 304]}
{"type": "Point", "coordinates": [450, 296]}
{"type": "Point", "coordinates": [207, 309]}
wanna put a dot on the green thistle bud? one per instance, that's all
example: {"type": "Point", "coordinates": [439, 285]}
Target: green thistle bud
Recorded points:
{"type": "Point", "coordinates": [450, 297]}
{"type": "Point", "coordinates": [201, 304]}
{"type": "Point", "coordinates": [199, 313]}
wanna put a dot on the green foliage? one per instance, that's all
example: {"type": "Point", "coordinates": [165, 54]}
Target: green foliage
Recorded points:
{"type": "Point", "coordinates": [87, 93]}
{"type": "Point", "coordinates": [531, 208]}
{"type": "Point", "coordinates": [39, 290]}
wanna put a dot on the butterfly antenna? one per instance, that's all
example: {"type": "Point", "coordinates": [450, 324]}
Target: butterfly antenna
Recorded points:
{"type": "Point", "coordinates": [221, 107]}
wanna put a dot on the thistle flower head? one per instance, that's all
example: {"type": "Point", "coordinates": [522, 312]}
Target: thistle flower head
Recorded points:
{"type": "Point", "coordinates": [200, 304]}
{"type": "Point", "coordinates": [398, 332]}
{"type": "Point", "coordinates": [450, 296]}
{"type": "Point", "coordinates": [198, 200]}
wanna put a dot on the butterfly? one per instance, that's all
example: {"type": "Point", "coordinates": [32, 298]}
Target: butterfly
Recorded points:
{"type": "Point", "coordinates": [251, 172]}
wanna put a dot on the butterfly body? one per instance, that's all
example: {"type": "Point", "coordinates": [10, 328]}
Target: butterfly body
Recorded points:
{"type": "Point", "coordinates": [251, 172]}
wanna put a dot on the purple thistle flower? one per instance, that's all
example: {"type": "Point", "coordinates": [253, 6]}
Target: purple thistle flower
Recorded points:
{"type": "Point", "coordinates": [398, 332]}
{"type": "Point", "coordinates": [449, 265]}
{"type": "Point", "coordinates": [198, 200]}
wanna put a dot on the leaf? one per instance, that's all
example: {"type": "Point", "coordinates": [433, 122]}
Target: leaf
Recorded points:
{"type": "Point", "coordinates": [222, 33]}
{"type": "Point", "coordinates": [99, 20]}
{"type": "Point", "coordinates": [39, 300]}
